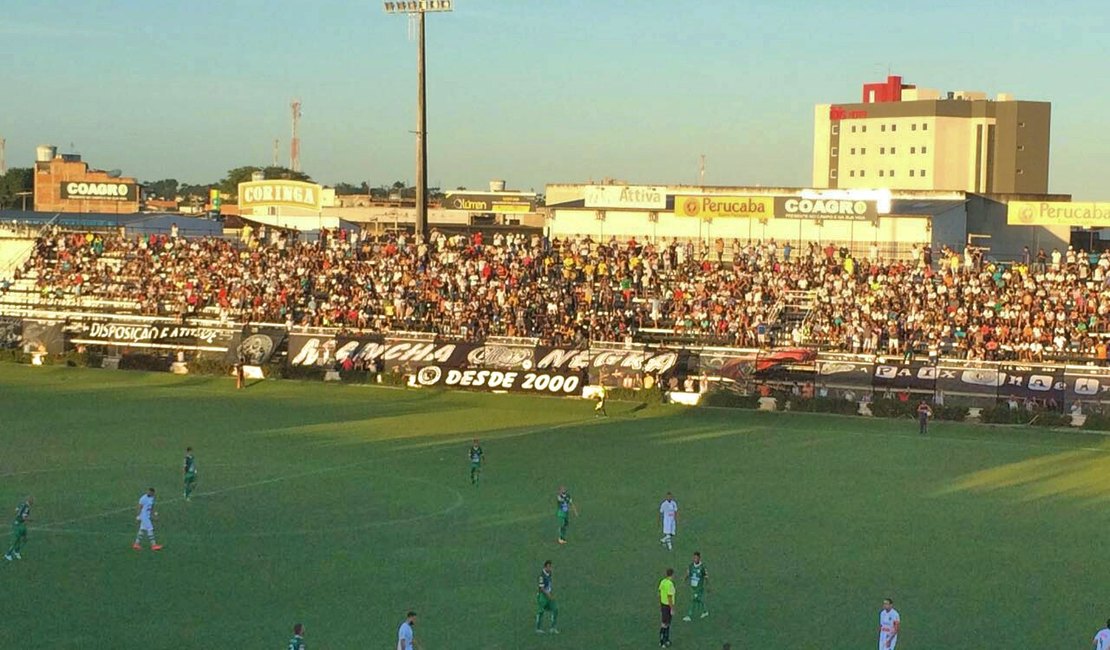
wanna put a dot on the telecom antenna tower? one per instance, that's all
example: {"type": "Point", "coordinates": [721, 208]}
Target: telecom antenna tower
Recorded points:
{"type": "Point", "coordinates": [295, 143]}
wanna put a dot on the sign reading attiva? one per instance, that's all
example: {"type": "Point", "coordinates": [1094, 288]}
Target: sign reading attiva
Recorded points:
{"type": "Point", "coordinates": [626, 196]}
{"type": "Point", "coordinates": [790, 207]}
{"type": "Point", "coordinates": [280, 194]}
{"type": "Point", "coordinates": [109, 191]}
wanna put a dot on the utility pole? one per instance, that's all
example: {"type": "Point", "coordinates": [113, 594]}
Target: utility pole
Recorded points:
{"type": "Point", "coordinates": [701, 171]}
{"type": "Point", "coordinates": [3, 157]}
{"type": "Point", "coordinates": [275, 162]}
{"type": "Point", "coordinates": [417, 9]}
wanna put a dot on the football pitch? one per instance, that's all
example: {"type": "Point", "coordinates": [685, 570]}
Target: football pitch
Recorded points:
{"type": "Point", "coordinates": [344, 506]}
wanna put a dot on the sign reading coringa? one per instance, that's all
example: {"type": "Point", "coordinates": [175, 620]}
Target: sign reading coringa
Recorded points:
{"type": "Point", "coordinates": [278, 193]}
{"type": "Point", "coordinates": [110, 191]}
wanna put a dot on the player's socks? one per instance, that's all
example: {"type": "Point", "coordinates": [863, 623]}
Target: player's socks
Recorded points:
{"type": "Point", "coordinates": [705, 613]}
{"type": "Point", "coordinates": [662, 636]}
{"type": "Point", "coordinates": [8, 557]}
{"type": "Point", "coordinates": [17, 556]}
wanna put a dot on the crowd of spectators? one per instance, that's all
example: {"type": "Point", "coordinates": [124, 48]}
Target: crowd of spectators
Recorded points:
{"type": "Point", "coordinates": [571, 290]}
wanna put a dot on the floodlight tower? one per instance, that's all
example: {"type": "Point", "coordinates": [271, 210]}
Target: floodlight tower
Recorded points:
{"type": "Point", "coordinates": [416, 10]}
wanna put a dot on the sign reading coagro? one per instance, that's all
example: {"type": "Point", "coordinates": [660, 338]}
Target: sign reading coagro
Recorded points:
{"type": "Point", "coordinates": [1057, 213]}
{"type": "Point", "coordinates": [790, 207]}
{"type": "Point", "coordinates": [280, 194]}
{"type": "Point", "coordinates": [110, 191]}
{"type": "Point", "coordinates": [711, 206]}
{"type": "Point", "coordinates": [626, 196]}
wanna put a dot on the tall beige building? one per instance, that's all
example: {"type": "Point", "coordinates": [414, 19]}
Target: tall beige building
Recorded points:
{"type": "Point", "coordinates": [908, 138]}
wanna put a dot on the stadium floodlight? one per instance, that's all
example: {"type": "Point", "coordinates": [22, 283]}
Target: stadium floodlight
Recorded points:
{"type": "Point", "coordinates": [416, 9]}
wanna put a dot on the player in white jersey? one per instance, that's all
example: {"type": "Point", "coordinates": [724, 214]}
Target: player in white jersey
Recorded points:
{"type": "Point", "coordinates": [668, 512]}
{"type": "Point", "coordinates": [1102, 638]}
{"type": "Point", "coordinates": [889, 626]}
{"type": "Point", "coordinates": [145, 516]}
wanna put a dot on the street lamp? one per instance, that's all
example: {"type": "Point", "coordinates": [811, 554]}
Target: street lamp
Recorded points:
{"type": "Point", "coordinates": [418, 8]}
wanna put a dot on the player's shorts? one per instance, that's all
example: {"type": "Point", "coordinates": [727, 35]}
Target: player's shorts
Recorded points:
{"type": "Point", "coordinates": [19, 530]}
{"type": "Point", "coordinates": [146, 525]}
{"type": "Point", "coordinates": [665, 614]}
{"type": "Point", "coordinates": [544, 604]}
{"type": "Point", "coordinates": [883, 645]}
{"type": "Point", "coordinates": [191, 477]}
{"type": "Point", "coordinates": [670, 527]}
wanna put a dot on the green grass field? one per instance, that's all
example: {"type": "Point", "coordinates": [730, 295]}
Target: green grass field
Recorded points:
{"type": "Point", "coordinates": [344, 506]}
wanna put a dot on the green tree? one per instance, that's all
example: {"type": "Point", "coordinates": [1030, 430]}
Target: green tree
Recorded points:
{"type": "Point", "coordinates": [163, 189]}
{"type": "Point", "coordinates": [16, 181]}
{"type": "Point", "coordinates": [351, 188]}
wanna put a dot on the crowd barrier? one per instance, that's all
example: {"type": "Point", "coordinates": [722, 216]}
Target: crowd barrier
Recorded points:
{"type": "Point", "coordinates": [528, 366]}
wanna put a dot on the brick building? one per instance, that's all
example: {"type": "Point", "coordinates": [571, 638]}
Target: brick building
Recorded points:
{"type": "Point", "coordinates": [66, 184]}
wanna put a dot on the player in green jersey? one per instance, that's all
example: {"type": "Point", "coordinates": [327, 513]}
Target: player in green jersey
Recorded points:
{"type": "Point", "coordinates": [698, 579]}
{"type": "Point", "coordinates": [545, 600]}
{"type": "Point", "coordinates": [297, 642]}
{"type": "Point", "coordinates": [19, 529]}
{"type": "Point", "coordinates": [475, 455]}
{"type": "Point", "coordinates": [563, 507]}
{"type": "Point", "coordinates": [190, 473]}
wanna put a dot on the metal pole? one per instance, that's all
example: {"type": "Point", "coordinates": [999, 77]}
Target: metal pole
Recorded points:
{"type": "Point", "coordinates": [421, 134]}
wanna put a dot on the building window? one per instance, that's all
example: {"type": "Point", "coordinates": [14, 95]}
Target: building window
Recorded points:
{"type": "Point", "coordinates": [862, 173]}
{"type": "Point", "coordinates": [882, 149]}
{"type": "Point", "coordinates": [913, 149]}
{"type": "Point", "coordinates": [863, 128]}
{"type": "Point", "coordinates": [853, 151]}
{"type": "Point", "coordinates": [883, 128]}
{"type": "Point", "coordinates": [863, 150]}
{"type": "Point", "coordinates": [911, 173]}
{"type": "Point", "coordinates": [913, 127]}
{"type": "Point", "coordinates": [924, 126]}
{"type": "Point", "coordinates": [892, 173]}
{"type": "Point", "coordinates": [835, 129]}
{"type": "Point", "coordinates": [833, 152]}
{"type": "Point", "coordinates": [1020, 172]}
{"type": "Point", "coordinates": [893, 127]}
{"type": "Point", "coordinates": [1021, 125]}
{"type": "Point", "coordinates": [1021, 147]}
{"type": "Point", "coordinates": [924, 149]}
{"type": "Point", "coordinates": [853, 128]}
{"type": "Point", "coordinates": [892, 150]}
{"type": "Point", "coordinates": [880, 173]}
{"type": "Point", "coordinates": [922, 173]}
{"type": "Point", "coordinates": [852, 173]}
{"type": "Point", "coordinates": [832, 173]}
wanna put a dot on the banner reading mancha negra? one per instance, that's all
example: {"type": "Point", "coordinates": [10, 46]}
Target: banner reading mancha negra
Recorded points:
{"type": "Point", "coordinates": [1057, 213]}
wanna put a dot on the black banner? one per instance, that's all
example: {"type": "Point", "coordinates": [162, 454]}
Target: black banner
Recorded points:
{"type": "Point", "coordinates": [1037, 382]}
{"type": "Point", "coordinates": [492, 379]}
{"type": "Point", "coordinates": [972, 378]}
{"type": "Point", "coordinates": [894, 374]}
{"type": "Point", "coordinates": [503, 356]}
{"type": "Point", "coordinates": [312, 350]}
{"type": "Point", "coordinates": [844, 371]}
{"type": "Point", "coordinates": [43, 337]}
{"type": "Point", "coordinates": [258, 344]}
{"type": "Point", "coordinates": [11, 332]}
{"type": "Point", "coordinates": [1086, 384]}
{"type": "Point", "coordinates": [157, 335]}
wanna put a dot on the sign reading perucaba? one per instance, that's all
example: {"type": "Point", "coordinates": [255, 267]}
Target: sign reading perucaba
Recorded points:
{"type": "Point", "coordinates": [279, 193]}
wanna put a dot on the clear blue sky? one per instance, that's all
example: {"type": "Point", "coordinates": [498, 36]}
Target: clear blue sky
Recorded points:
{"type": "Point", "coordinates": [533, 91]}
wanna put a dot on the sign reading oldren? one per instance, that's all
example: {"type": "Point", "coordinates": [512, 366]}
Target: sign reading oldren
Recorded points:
{"type": "Point", "coordinates": [1057, 213]}
{"type": "Point", "coordinates": [626, 196]}
{"type": "Point", "coordinates": [709, 206]}
{"type": "Point", "coordinates": [280, 194]}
